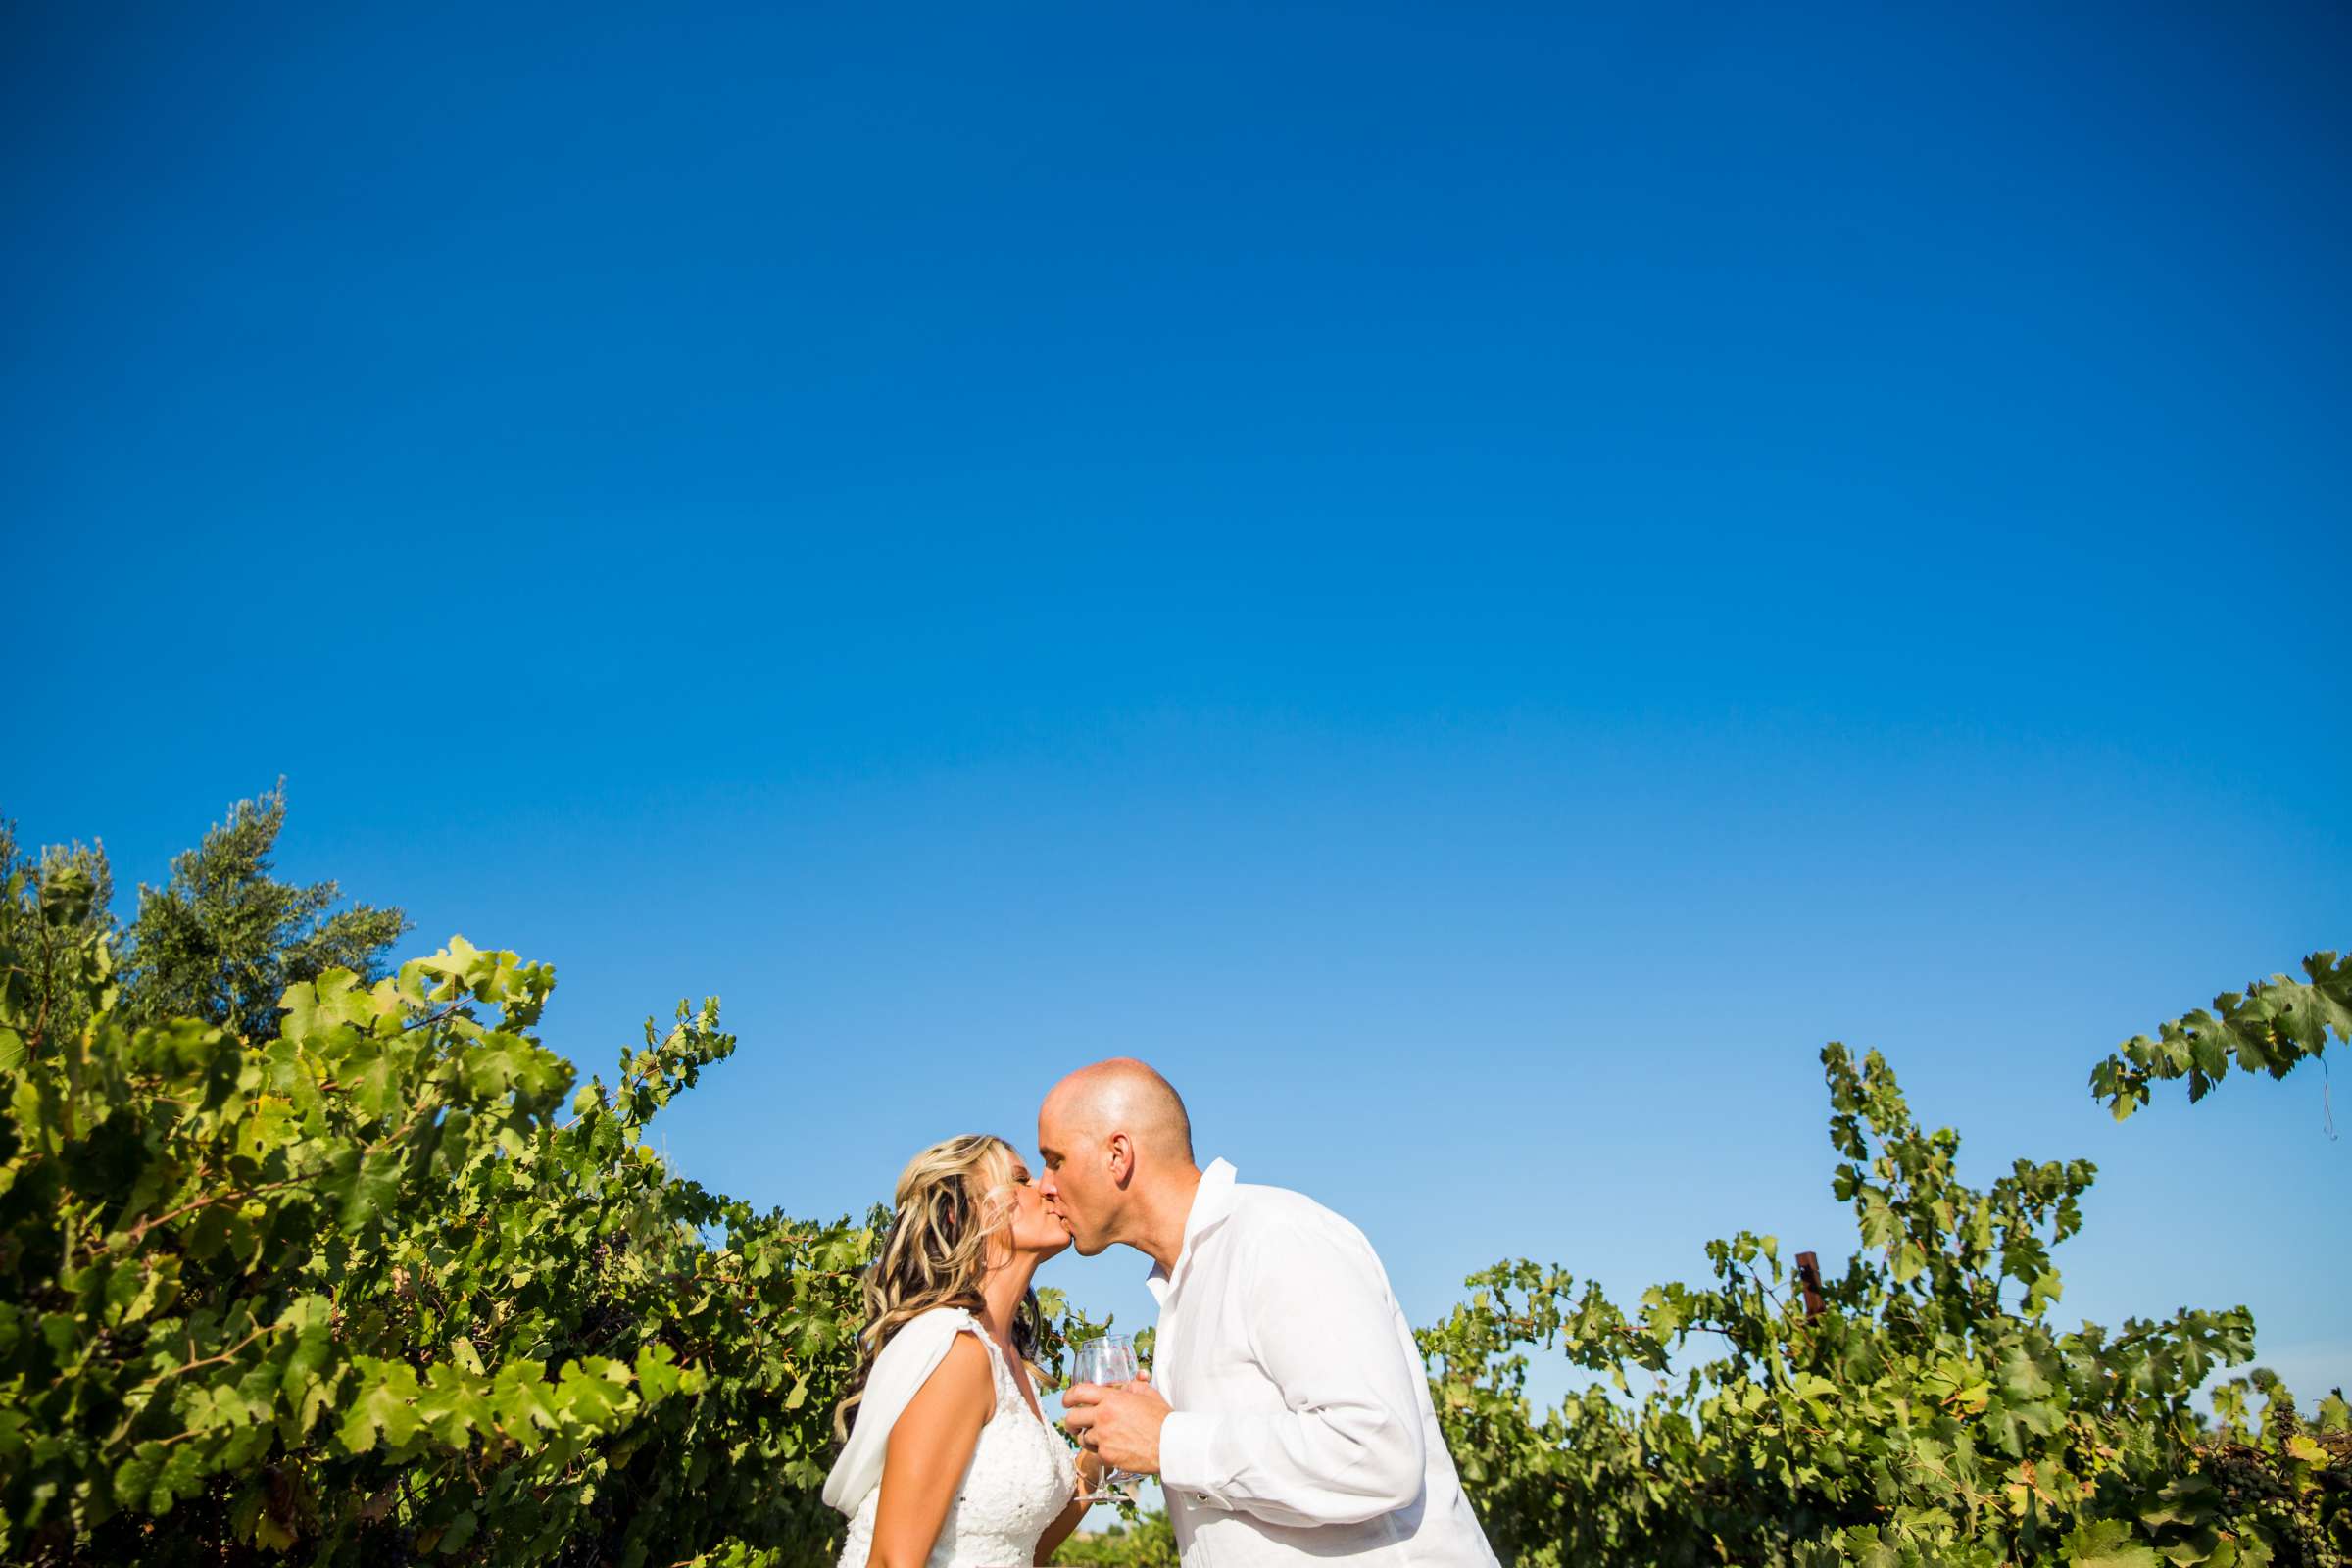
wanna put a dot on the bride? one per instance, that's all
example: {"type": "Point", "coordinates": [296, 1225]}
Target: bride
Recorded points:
{"type": "Point", "coordinates": [949, 1461]}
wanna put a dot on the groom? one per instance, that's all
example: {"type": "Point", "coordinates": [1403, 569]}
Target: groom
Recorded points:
{"type": "Point", "coordinates": [1288, 1417]}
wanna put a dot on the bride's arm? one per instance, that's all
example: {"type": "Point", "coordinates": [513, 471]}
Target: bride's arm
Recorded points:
{"type": "Point", "coordinates": [929, 1449]}
{"type": "Point", "coordinates": [1090, 1477]}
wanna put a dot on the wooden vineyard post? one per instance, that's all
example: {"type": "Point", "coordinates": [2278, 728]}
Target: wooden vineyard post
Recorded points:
{"type": "Point", "coordinates": [1808, 1274]}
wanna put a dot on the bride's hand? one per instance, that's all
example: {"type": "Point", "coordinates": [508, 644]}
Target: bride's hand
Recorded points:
{"type": "Point", "coordinates": [1090, 1473]}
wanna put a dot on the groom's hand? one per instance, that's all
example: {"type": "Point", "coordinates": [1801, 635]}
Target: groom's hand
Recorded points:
{"type": "Point", "coordinates": [1121, 1424]}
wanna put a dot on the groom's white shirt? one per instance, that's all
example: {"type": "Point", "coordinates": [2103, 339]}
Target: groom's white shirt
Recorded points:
{"type": "Point", "coordinates": [1302, 1426]}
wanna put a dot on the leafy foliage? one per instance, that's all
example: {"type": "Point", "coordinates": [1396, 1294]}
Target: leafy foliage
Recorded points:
{"type": "Point", "coordinates": [1148, 1542]}
{"type": "Point", "coordinates": [1930, 1413]}
{"type": "Point", "coordinates": [46, 948]}
{"type": "Point", "coordinates": [223, 939]}
{"type": "Point", "coordinates": [2272, 1026]}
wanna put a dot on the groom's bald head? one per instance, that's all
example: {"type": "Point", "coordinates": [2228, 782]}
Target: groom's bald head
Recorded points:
{"type": "Point", "coordinates": [1123, 1095]}
{"type": "Point", "coordinates": [1117, 1150]}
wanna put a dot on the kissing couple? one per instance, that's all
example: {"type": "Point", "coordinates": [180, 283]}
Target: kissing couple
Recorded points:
{"type": "Point", "coordinates": [1287, 1414]}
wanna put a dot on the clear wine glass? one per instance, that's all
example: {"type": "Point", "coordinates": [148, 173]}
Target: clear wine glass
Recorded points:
{"type": "Point", "coordinates": [1108, 1360]}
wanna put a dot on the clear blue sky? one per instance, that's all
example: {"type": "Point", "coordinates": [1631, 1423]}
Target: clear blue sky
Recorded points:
{"type": "Point", "coordinates": [1474, 583]}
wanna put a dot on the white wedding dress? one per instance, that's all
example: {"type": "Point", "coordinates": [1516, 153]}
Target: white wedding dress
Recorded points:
{"type": "Point", "coordinates": [1020, 1479]}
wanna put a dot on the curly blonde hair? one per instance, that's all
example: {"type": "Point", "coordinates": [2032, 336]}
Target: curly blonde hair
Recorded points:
{"type": "Point", "coordinates": [951, 1198]}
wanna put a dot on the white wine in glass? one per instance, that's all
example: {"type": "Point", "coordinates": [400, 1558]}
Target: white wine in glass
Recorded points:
{"type": "Point", "coordinates": [1110, 1361]}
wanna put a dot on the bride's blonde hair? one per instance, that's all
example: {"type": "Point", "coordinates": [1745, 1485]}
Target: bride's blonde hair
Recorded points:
{"type": "Point", "coordinates": [951, 1198]}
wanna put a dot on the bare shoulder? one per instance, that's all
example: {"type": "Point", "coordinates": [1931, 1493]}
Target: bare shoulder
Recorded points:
{"type": "Point", "coordinates": [945, 1417]}
{"type": "Point", "coordinates": [963, 1375]}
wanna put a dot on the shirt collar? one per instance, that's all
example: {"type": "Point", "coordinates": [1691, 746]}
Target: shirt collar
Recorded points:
{"type": "Point", "coordinates": [1212, 1203]}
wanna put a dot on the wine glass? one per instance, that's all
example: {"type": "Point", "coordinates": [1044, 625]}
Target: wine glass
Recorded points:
{"type": "Point", "coordinates": [1110, 1361]}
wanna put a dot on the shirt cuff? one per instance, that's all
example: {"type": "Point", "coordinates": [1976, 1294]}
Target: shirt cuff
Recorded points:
{"type": "Point", "coordinates": [1184, 1467]}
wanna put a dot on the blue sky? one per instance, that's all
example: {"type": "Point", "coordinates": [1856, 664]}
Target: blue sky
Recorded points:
{"type": "Point", "coordinates": [1472, 582]}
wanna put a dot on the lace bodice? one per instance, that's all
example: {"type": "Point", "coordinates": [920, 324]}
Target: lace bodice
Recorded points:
{"type": "Point", "coordinates": [1020, 1479]}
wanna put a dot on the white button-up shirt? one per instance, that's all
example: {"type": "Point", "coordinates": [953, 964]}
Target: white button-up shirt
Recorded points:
{"type": "Point", "coordinates": [1302, 1426]}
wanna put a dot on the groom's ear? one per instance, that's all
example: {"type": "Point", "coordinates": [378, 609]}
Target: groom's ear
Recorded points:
{"type": "Point", "coordinates": [1123, 1159]}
